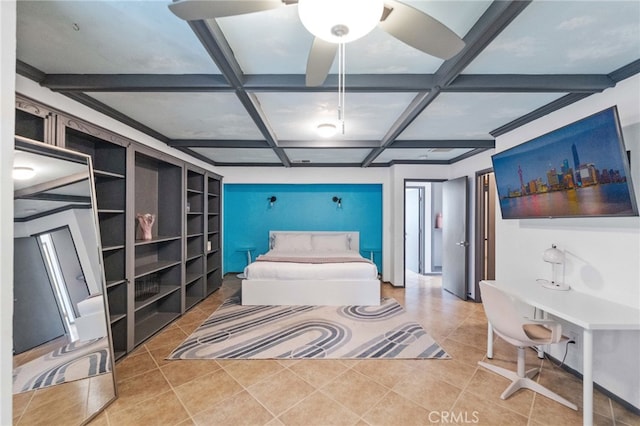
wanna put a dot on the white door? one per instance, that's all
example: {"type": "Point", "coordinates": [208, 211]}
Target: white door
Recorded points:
{"type": "Point", "coordinates": [412, 229]}
{"type": "Point", "coordinates": [454, 236]}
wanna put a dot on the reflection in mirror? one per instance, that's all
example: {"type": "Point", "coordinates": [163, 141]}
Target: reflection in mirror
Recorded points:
{"type": "Point", "coordinates": [63, 356]}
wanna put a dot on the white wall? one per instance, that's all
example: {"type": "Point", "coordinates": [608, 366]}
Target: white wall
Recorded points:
{"type": "Point", "coordinates": [7, 120]}
{"type": "Point", "coordinates": [395, 246]}
{"type": "Point", "coordinates": [604, 257]}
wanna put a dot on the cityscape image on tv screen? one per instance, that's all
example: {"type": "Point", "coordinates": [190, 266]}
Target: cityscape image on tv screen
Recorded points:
{"type": "Point", "coordinates": [578, 170]}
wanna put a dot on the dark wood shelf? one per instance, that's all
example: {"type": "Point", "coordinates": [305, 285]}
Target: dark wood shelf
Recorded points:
{"type": "Point", "coordinates": [143, 270]}
{"type": "Point", "coordinates": [107, 174]}
{"type": "Point", "coordinates": [191, 301]}
{"type": "Point", "coordinates": [158, 239]}
{"type": "Point", "coordinates": [115, 283]}
{"type": "Point", "coordinates": [110, 211]}
{"type": "Point", "coordinates": [152, 324]}
{"type": "Point", "coordinates": [116, 318]}
{"type": "Point", "coordinates": [164, 291]}
{"type": "Point", "coordinates": [191, 278]}
{"type": "Point", "coordinates": [111, 248]}
{"type": "Point", "coordinates": [194, 257]}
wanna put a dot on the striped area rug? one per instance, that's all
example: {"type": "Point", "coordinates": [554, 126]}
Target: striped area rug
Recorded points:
{"type": "Point", "coordinates": [332, 332]}
{"type": "Point", "coordinates": [74, 361]}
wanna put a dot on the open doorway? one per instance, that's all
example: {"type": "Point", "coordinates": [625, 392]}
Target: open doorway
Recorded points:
{"type": "Point", "coordinates": [485, 229]}
{"type": "Point", "coordinates": [423, 227]}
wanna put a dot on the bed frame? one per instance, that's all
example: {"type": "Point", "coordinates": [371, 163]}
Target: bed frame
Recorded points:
{"type": "Point", "coordinates": [312, 291]}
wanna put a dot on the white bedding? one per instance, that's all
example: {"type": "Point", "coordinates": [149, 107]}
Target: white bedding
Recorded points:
{"type": "Point", "coordinates": [304, 271]}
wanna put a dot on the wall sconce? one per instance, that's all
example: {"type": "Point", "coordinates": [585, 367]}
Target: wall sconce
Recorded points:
{"type": "Point", "coordinates": [556, 257]}
{"type": "Point", "coordinates": [271, 200]}
{"type": "Point", "coordinates": [338, 201]}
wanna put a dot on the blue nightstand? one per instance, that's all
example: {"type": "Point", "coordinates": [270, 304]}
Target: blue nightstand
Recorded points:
{"type": "Point", "coordinates": [247, 250]}
{"type": "Point", "coordinates": [371, 251]}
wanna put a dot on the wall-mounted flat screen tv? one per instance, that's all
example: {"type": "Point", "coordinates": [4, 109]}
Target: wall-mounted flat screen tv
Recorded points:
{"type": "Point", "coordinates": [579, 170]}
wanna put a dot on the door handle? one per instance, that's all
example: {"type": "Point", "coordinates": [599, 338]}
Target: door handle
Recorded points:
{"type": "Point", "coordinates": [463, 244]}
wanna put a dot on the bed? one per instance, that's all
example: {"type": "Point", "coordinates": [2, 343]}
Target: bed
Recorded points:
{"type": "Point", "coordinates": [311, 268]}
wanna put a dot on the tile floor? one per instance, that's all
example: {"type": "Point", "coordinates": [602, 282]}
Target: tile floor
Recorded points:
{"type": "Point", "coordinates": [153, 391]}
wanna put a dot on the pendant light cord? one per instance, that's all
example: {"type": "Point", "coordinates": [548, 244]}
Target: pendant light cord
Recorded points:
{"type": "Point", "coordinates": [341, 84]}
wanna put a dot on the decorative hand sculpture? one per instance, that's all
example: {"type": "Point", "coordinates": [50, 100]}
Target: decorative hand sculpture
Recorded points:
{"type": "Point", "coordinates": [145, 222]}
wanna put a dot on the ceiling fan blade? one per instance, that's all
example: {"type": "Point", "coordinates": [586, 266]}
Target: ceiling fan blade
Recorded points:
{"type": "Point", "coordinates": [319, 63]}
{"type": "Point", "coordinates": [192, 10]}
{"type": "Point", "coordinates": [419, 30]}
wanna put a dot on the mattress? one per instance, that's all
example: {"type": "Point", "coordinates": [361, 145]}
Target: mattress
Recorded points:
{"type": "Point", "coordinates": [343, 265]}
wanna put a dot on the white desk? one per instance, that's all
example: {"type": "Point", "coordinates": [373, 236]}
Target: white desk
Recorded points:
{"type": "Point", "coordinates": [586, 311]}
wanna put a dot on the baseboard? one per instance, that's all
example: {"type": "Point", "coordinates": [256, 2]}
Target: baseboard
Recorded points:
{"type": "Point", "coordinates": [627, 405]}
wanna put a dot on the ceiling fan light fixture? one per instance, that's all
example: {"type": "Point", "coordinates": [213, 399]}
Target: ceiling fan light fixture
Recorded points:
{"type": "Point", "coordinates": [23, 173]}
{"type": "Point", "coordinates": [326, 130]}
{"type": "Point", "coordinates": [340, 21]}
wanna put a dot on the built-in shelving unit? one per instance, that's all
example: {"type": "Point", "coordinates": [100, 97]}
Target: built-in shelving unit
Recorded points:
{"type": "Point", "coordinates": [34, 121]}
{"type": "Point", "coordinates": [214, 258]}
{"type": "Point", "coordinates": [149, 282]}
{"type": "Point", "coordinates": [195, 238]}
{"type": "Point", "coordinates": [157, 264]}
{"type": "Point", "coordinates": [109, 168]}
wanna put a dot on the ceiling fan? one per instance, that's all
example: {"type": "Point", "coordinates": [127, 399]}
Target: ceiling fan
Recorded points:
{"type": "Point", "coordinates": [335, 22]}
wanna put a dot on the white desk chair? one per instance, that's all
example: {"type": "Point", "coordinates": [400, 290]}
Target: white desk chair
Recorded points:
{"type": "Point", "coordinates": [520, 332]}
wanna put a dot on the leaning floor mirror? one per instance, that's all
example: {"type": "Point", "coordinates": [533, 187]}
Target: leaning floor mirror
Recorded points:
{"type": "Point", "coordinates": [63, 369]}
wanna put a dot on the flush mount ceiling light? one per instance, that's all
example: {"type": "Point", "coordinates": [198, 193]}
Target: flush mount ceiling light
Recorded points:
{"type": "Point", "coordinates": [333, 23]}
{"type": "Point", "coordinates": [326, 130]}
{"type": "Point", "coordinates": [23, 173]}
{"type": "Point", "coordinates": [340, 21]}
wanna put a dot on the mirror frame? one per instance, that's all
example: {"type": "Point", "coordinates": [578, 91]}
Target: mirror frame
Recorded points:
{"type": "Point", "coordinates": [40, 148]}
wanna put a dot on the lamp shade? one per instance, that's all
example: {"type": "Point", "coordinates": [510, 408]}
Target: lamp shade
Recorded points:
{"type": "Point", "coordinates": [340, 21]}
{"type": "Point", "coordinates": [553, 255]}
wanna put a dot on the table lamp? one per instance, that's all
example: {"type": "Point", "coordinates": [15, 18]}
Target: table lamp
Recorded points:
{"type": "Point", "coordinates": [556, 257]}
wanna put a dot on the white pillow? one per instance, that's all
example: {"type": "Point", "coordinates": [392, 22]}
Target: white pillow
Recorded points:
{"type": "Point", "coordinates": [292, 242]}
{"type": "Point", "coordinates": [338, 242]}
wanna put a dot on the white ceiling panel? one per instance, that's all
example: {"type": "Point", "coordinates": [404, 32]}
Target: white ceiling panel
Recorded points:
{"type": "Point", "coordinates": [473, 115]}
{"type": "Point", "coordinates": [276, 42]}
{"type": "Point", "coordinates": [420, 154]}
{"type": "Point", "coordinates": [588, 37]}
{"type": "Point", "coordinates": [186, 115]}
{"type": "Point", "coordinates": [239, 155]}
{"type": "Point", "coordinates": [268, 42]}
{"type": "Point", "coordinates": [295, 116]}
{"type": "Point", "coordinates": [114, 51]}
{"type": "Point", "coordinates": [327, 155]}
{"type": "Point", "coordinates": [108, 37]}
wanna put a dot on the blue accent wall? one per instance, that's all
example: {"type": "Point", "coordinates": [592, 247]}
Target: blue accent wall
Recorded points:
{"type": "Point", "coordinates": [248, 217]}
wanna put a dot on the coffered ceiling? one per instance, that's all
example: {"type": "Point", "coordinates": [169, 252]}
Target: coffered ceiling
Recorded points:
{"type": "Point", "coordinates": [232, 91]}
